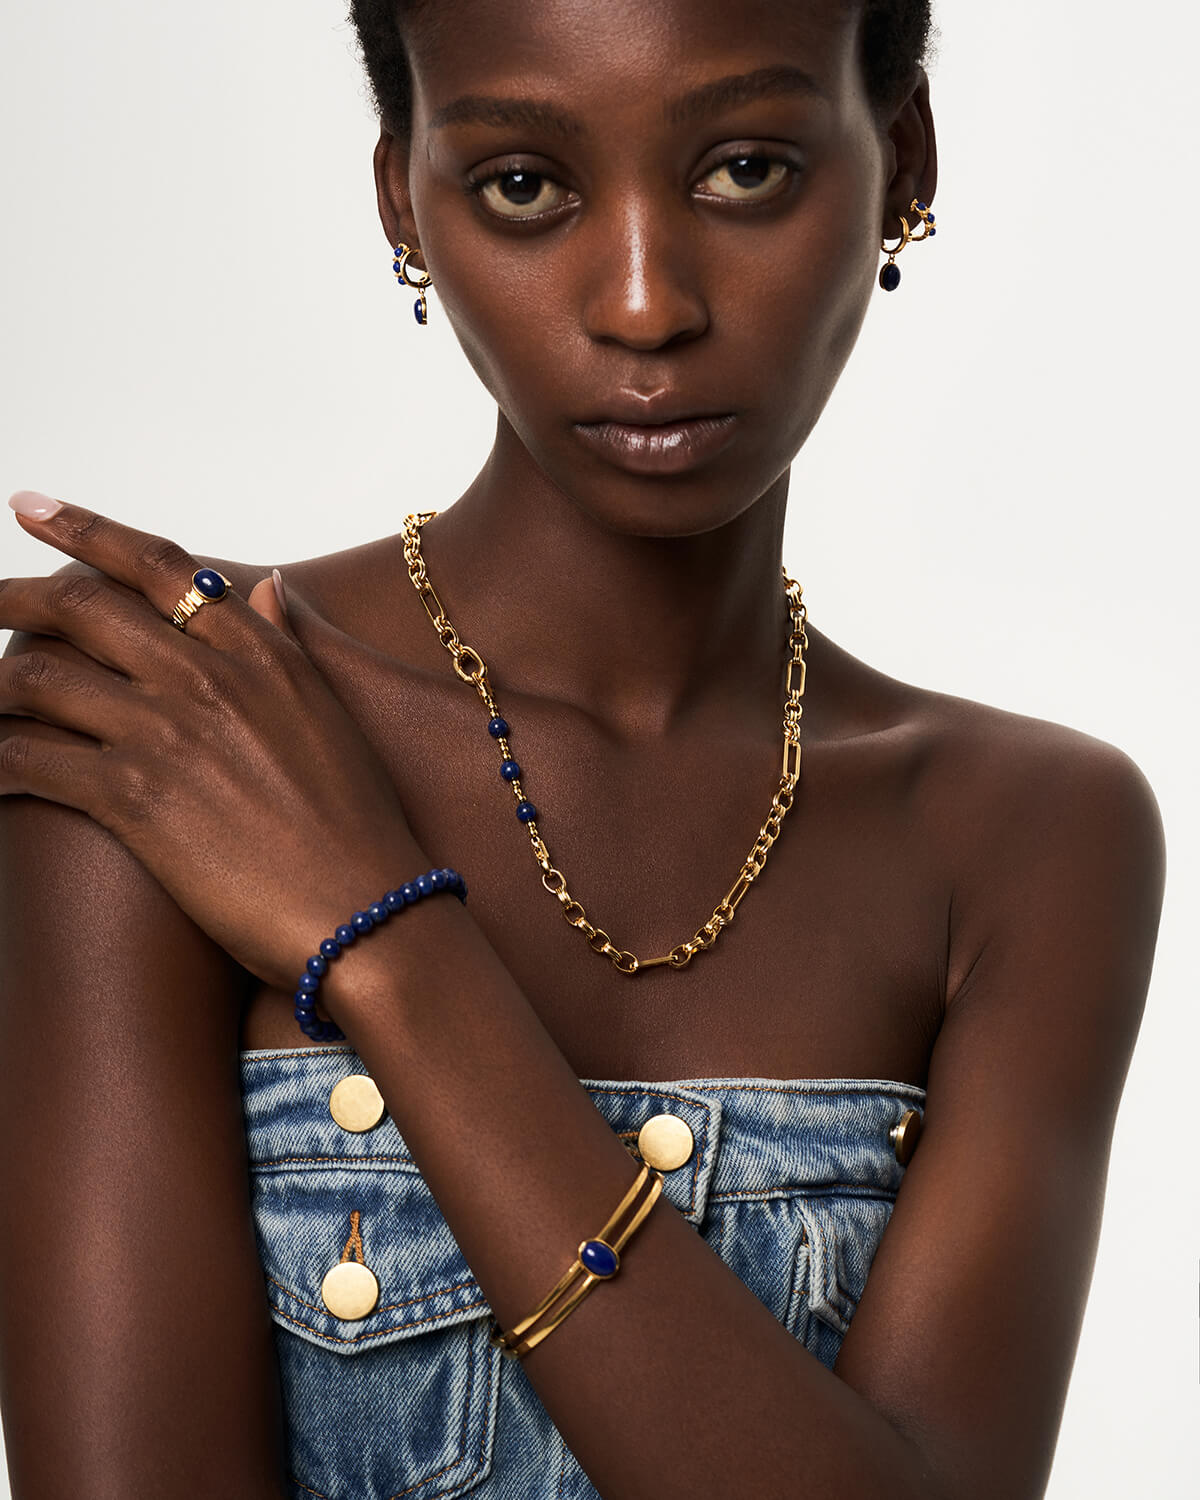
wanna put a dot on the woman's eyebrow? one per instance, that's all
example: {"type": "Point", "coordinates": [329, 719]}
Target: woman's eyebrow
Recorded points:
{"type": "Point", "coordinates": [709, 98]}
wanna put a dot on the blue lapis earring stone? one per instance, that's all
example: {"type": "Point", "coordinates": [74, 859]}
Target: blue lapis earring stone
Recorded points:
{"type": "Point", "coordinates": [889, 276]}
{"type": "Point", "coordinates": [208, 582]}
{"type": "Point", "coordinates": [419, 310]}
{"type": "Point", "coordinates": [600, 1259]}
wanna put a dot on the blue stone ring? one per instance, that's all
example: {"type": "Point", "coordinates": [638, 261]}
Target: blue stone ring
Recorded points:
{"type": "Point", "coordinates": [207, 586]}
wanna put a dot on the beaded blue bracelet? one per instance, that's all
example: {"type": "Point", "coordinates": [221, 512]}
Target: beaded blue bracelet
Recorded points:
{"type": "Point", "coordinates": [359, 925]}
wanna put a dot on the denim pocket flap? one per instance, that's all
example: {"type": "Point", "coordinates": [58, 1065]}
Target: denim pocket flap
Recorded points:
{"type": "Point", "coordinates": [307, 1221]}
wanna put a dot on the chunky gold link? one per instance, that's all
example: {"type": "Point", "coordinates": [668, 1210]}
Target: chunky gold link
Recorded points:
{"type": "Point", "coordinates": [470, 667]}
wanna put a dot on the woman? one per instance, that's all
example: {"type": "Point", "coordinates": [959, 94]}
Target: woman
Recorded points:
{"type": "Point", "coordinates": [950, 920]}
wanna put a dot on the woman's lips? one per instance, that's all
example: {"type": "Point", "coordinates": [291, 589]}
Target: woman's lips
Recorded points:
{"type": "Point", "coordinates": [663, 448]}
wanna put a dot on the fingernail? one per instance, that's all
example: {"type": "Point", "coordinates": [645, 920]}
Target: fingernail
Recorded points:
{"type": "Point", "coordinates": [34, 506]}
{"type": "Point", "coordinates": [279, 594]}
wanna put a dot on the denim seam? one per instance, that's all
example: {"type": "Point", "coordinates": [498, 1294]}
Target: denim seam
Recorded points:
{"type": "Point", "coordinates": [377, 1333]}
{"type": "Point", "coordinates": [283, 1161]}
{"type": "Point", "coordinates": [391, 1306]}
{"type": "Point", "coordinates": [791, 1189]}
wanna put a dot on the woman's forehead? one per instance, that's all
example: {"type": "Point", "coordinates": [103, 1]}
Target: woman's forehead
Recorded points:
{"type": "Point", "coordinates": [473, 46]}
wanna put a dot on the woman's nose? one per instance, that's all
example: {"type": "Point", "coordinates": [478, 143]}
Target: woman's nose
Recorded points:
{"type": "Point", "coordinates": [642, 286]}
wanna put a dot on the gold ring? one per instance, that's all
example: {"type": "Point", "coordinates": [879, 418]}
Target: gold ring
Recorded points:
{"type": "Point", "coordinates": [207, 586]}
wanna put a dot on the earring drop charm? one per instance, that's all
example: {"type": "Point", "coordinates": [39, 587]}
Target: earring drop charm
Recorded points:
{"type": "Point", "coordinates": [400, 267]}
{"type": "Point", "coordinates": [889, 274]}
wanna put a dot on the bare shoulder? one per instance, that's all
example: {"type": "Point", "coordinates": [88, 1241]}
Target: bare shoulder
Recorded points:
{"type": "Point", "coordinates": [1039, 823]}
{"type": "Point", "coordinates": [1007, 766]}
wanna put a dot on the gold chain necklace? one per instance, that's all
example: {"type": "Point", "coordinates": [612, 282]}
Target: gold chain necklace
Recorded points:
{"type": "Point", "coordinates": [470, 667]}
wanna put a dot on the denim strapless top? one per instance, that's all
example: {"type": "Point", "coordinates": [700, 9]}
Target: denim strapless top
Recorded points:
{"type": "Point", "coordinates": [790, 1181]}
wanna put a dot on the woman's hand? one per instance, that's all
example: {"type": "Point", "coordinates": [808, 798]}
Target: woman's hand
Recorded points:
{"type": "Point", "coordinates": [219, 756]}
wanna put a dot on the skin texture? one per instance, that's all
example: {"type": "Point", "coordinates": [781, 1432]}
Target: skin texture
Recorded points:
{"type": "Point", "coordinates": [961, 898]}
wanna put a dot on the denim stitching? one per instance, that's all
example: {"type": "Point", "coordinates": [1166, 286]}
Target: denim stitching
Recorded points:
{"type": "Point", "coordinates": [825, 1190]}
{"type": "Point", "coordinates": [379, 1332]}
{"type": "Point", "coordinates": [391, 1306]}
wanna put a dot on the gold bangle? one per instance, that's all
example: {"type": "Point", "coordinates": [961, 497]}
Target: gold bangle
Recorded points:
{"type": "Point", "coordinates": [597, 1259]}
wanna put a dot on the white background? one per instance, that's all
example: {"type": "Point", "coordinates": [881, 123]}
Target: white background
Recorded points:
{"type": "Point", "coordinates": [202, 336]}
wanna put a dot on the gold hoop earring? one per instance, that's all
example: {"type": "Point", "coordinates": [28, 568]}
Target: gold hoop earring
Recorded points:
{"type": "Point", "coordinates": [400, 267]}
{"type": "Point", "coordinates": [889, 274]}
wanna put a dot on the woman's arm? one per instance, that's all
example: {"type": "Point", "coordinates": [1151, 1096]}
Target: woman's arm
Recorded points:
{"type": "Point", "coordinates": [136, 1358]}
{"type": "Point", "coordinates": [673, 1382]}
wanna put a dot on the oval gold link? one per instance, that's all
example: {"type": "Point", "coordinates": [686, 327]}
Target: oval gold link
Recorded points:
{"type": "Point", "coordinates": [681, 956]}
{"type": "Point", "coordinates": [477, 673]}
{"type": "Point", "coordinates": [605, 940]}
{"type": "Point", "coordinates": [554, 874]}
{"type": "Point", "coordinates": [626, 962]}
{"type": "Point", "coordinates": [726, 913]}
{"type": "Point", "coordinates": [791, 761]}
{"type": "Point", "coordinates": [574, 921]}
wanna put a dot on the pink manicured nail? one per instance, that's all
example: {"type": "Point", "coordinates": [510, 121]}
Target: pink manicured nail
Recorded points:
{"type": "Point", "coordinates": [33, 506]}
{"type": "Point", "coordinates": [277, 580]}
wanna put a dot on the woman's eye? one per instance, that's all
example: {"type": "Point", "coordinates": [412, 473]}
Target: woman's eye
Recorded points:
{"type": "Point", "coordinates": [749, 177]}
{"type": "Point", "coordinates": [518, 194]}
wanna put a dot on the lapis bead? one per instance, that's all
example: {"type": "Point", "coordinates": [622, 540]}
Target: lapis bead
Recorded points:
{"type": "Point", "coordinates": [424, 885]}
{"type": "Point", "coordinates": [497, 728]}
{"type": "Point", "coordinates": [410, 893]}
{"type": "Point", "coordinates": [932, 231]}
{"type": "Point", "coordinates": [394, 901]}
{"type": "Point", "coordinates": [208, 582]}
{"type": "Point", "coordinates": [317, 965]}
{"type": "Point", "coordinates": [526, 812]}
{"type": "Point", "coordinates": [345, 934]}
{"type": "Point", "coordinates": [889, 277]}
{"type": "Point", "coordinates": [396, 267]}
{"type": "Point", "coordinates": [598, 1258]}
{"type": "Point", "coordinates": [510, 770]}
{"type": "Point", "coordinates": [378, 912]}
{"type": "Point", "coordinates": [330, 948]}
{"type": "Point", "coordinates": [417, 312]}
{"type": "Point", "coordinates": [361, 922]}
{"type": "Point", "coordinates": [309, 983]}
{"type": "Point", "coordinates": [304, 1001]}
{"type": "Point", "coordinates": [437, 879]}
{"type": "Point", "coordinates": [921, 208]}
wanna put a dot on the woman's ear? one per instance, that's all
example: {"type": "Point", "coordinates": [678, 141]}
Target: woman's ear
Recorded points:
{"type": "Point", "coordinates": [914, 157]}
{"type": "Point", "coordinates": [391, 190]}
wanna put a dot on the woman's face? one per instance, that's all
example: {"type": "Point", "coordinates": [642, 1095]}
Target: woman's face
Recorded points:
{"type": "Point", "coordinates": [607, 212]}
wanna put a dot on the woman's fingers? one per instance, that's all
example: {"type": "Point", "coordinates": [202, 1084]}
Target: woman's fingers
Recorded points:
{"type": "Point", "coordinates": [114, 625]}
{"type": "Point", "coordinates": [42, 760]}
{"type": "Point", "coordinates": [156, 567]}
{"type": "Point", "coordinates": [42, 683]}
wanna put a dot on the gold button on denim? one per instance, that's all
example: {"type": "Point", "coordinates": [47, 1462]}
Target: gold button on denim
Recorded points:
{"type": "Point", "coordinates": [905, 1135]}
{"type": "Point", "coordinates": [665, 1142]}
{"type": "Point", "coordinates": [356, 1104]}
{"type": "Point", "coordinates": [349, 1290]}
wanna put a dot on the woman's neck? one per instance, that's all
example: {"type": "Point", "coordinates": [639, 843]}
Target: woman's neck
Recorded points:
{"type": "Point", "coordinates": [639, 632]}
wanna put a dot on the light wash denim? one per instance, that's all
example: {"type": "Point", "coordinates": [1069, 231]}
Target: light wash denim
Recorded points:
{"type": "Point", "coordinates": [791, 1182]}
